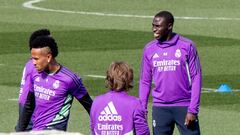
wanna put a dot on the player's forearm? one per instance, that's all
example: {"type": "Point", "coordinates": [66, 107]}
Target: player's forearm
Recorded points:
{"type": "Point", "coordinates": [144, 91]}
{"type": "Point", "coordinates": [196, 77]}
{"type": "Point", "coordinates": [140, 122]}
{"type": "Point", "coordinates": [145, 82]}
{"type": "Point", "coordinates": [195, 94]}
{"type": "Point", "coordinates": [92, 127]}
{"type": "Point", "coordinates": [86, 102]}
{"type": "Point", "coordinates": [26, 113]}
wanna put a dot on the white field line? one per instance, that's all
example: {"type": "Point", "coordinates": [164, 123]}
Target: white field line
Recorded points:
{"type": "Point", "coordinates": [29, 4]}
{"type": "Point", "coordinates": [205, 90]}
{"type": "Point", "coordinates": [16, 99]}
{"type": "Point", "coordinates": [13, 99]}
{"type": "Point", "coordinates": [96, 76]}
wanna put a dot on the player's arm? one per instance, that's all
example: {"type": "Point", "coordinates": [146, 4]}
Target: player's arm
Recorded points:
{"type": "Point", "coordinates": [22, 97]}
{"type": "Point", "coordinates": [196, 79]}
{"type": "Point", "coordinates": [92, 119]}
{"type": "Point", "coordinates": [25, 80]}
{"type": "Point", "coordinates": [86, 102]}
{"type": "Point", "coordinates": [145, 81]}
{"type": "Point", "coordinates": [140, 122]}
{"type": "Point", "coordinates": [26, 112]}
{"type": "Point", "coordinates": [79, 91]}
{"type": "Point", "coordinates": [25, 98]}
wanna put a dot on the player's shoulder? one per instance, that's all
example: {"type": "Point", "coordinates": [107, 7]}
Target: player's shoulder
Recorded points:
{"type": "Point", "coordinates": [125, 97]}
{"type": "Point", "coordinates": [132, 98]}
{"type": "Point", "coordinates": [107, 94]}
{"type": "Point", "coordinates": [67, 70]}
{"type": "Point", "coordinates": [99, 97]}
{"type": "Point", "coordinates": [29, 61]}
{"type": "Point", "coordinates": [132, 101]}
{"type": "Point", "coordinates": [29, 67]}
{"type": "Point", "coordinates": [150, 45]}
{"type": "Point", "coordinates": [186, 41]}
{"type": "Point", "coordinates": [103, 98]}
{"type": "Point", "coordinates": [29, 64]}
{"type": "Point", "coordinates": [68, 74]}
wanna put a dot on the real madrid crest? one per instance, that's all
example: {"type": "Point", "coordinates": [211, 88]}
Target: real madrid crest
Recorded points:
{"type": "Point", "coordinates": [178, 53]}
{"type": "Point", "coordinates": [37, 79]}
{"type": "Point", "coordinates": [56, 84]}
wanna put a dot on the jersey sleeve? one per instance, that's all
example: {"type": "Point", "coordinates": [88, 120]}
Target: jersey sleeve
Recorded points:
{"type": "Point", "coordinates": [145, 80]}
{"type": "Point", "coordinates": [25, 113]}
{"type": "Point", "coordinates": [196, 77]}
{"type": "Point", "coordinates": [77, 89]}
{"type": "Point", "coordinates": [26, 99]}
{"type": "Point", "coordinates": [140, 123]}
{"type": "Point", "coordinates": [25, 86]}
{"type": "Point", "coordinates": [92, 118]}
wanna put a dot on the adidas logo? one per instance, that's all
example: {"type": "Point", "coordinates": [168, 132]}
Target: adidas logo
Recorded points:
{"type": "Point", "coordinates": [109, 113]}
{"type": "Point", "coordinates": [155, 55]}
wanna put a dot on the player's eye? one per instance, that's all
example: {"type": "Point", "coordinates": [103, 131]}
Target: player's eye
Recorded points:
{"type": "Point", "coordinates": [155, 26]}
{"type": "Point", "coordinates": [35, 58]}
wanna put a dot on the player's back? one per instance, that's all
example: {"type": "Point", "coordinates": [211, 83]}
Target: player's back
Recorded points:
{"type": "Point", "coordinates": [115, 113]}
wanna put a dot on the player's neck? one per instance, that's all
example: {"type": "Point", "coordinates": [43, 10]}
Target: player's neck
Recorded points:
{"type": "Point", "coordinates": [167, 37]}
{"type": "Point", "coordinates": [170, 36]}
{"type": "Point", "coordinates": [53, 67]}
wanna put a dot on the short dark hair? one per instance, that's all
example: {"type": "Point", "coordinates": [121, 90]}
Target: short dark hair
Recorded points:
{"type": "Point", "coordinates": [167, 15]}
{"type": "Point", "coordinates": [37, 33]}
{"type": "Point", "coordinates": [45, 41]}
{"type": "Point", "coordinates": [119, 76]}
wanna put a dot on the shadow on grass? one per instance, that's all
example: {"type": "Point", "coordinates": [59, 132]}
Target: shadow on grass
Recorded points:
{"type": "Point", "coordinates": [99, 40]}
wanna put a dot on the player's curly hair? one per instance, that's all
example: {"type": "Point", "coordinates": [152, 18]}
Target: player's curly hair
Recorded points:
{"type": "Point", "coordinates": [37, 33]}
{"type": "Point", "coordinates": [46, 41]}
{"type": "Point", "coordinates": [119, 77]}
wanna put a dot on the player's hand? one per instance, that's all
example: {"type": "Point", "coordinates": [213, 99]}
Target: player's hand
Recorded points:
{"type": "Point", "coordinates": [190, 119]}
{"type": "Point", "coordinates": [146, 116]}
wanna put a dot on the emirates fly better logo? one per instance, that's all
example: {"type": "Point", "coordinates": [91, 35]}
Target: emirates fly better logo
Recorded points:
{"type": "Point", "coordinates": [109, 113]}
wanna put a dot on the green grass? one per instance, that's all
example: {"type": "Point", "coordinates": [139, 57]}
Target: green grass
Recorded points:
{"type": "Point", "coordinates": [100, 47]}
{"type": "Point", "coordinates": [89, 43]}
{"type": "Point", "coordinates": [143, 7]}
{"type": "Point", "coordinates": [217, 116]}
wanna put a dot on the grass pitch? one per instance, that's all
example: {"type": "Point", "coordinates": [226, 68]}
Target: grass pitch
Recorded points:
{"type": "Point", "coordinates": [89, 43]}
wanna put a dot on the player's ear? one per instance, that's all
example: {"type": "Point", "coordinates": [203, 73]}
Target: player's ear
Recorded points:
{"type": "Point", "coordinates": [49, 57]}
{"type": "Point", "coordinates": [170, 26]}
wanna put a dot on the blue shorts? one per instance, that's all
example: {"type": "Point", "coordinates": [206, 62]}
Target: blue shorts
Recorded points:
{"type": "Point", "coordinates": [165, 118]}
